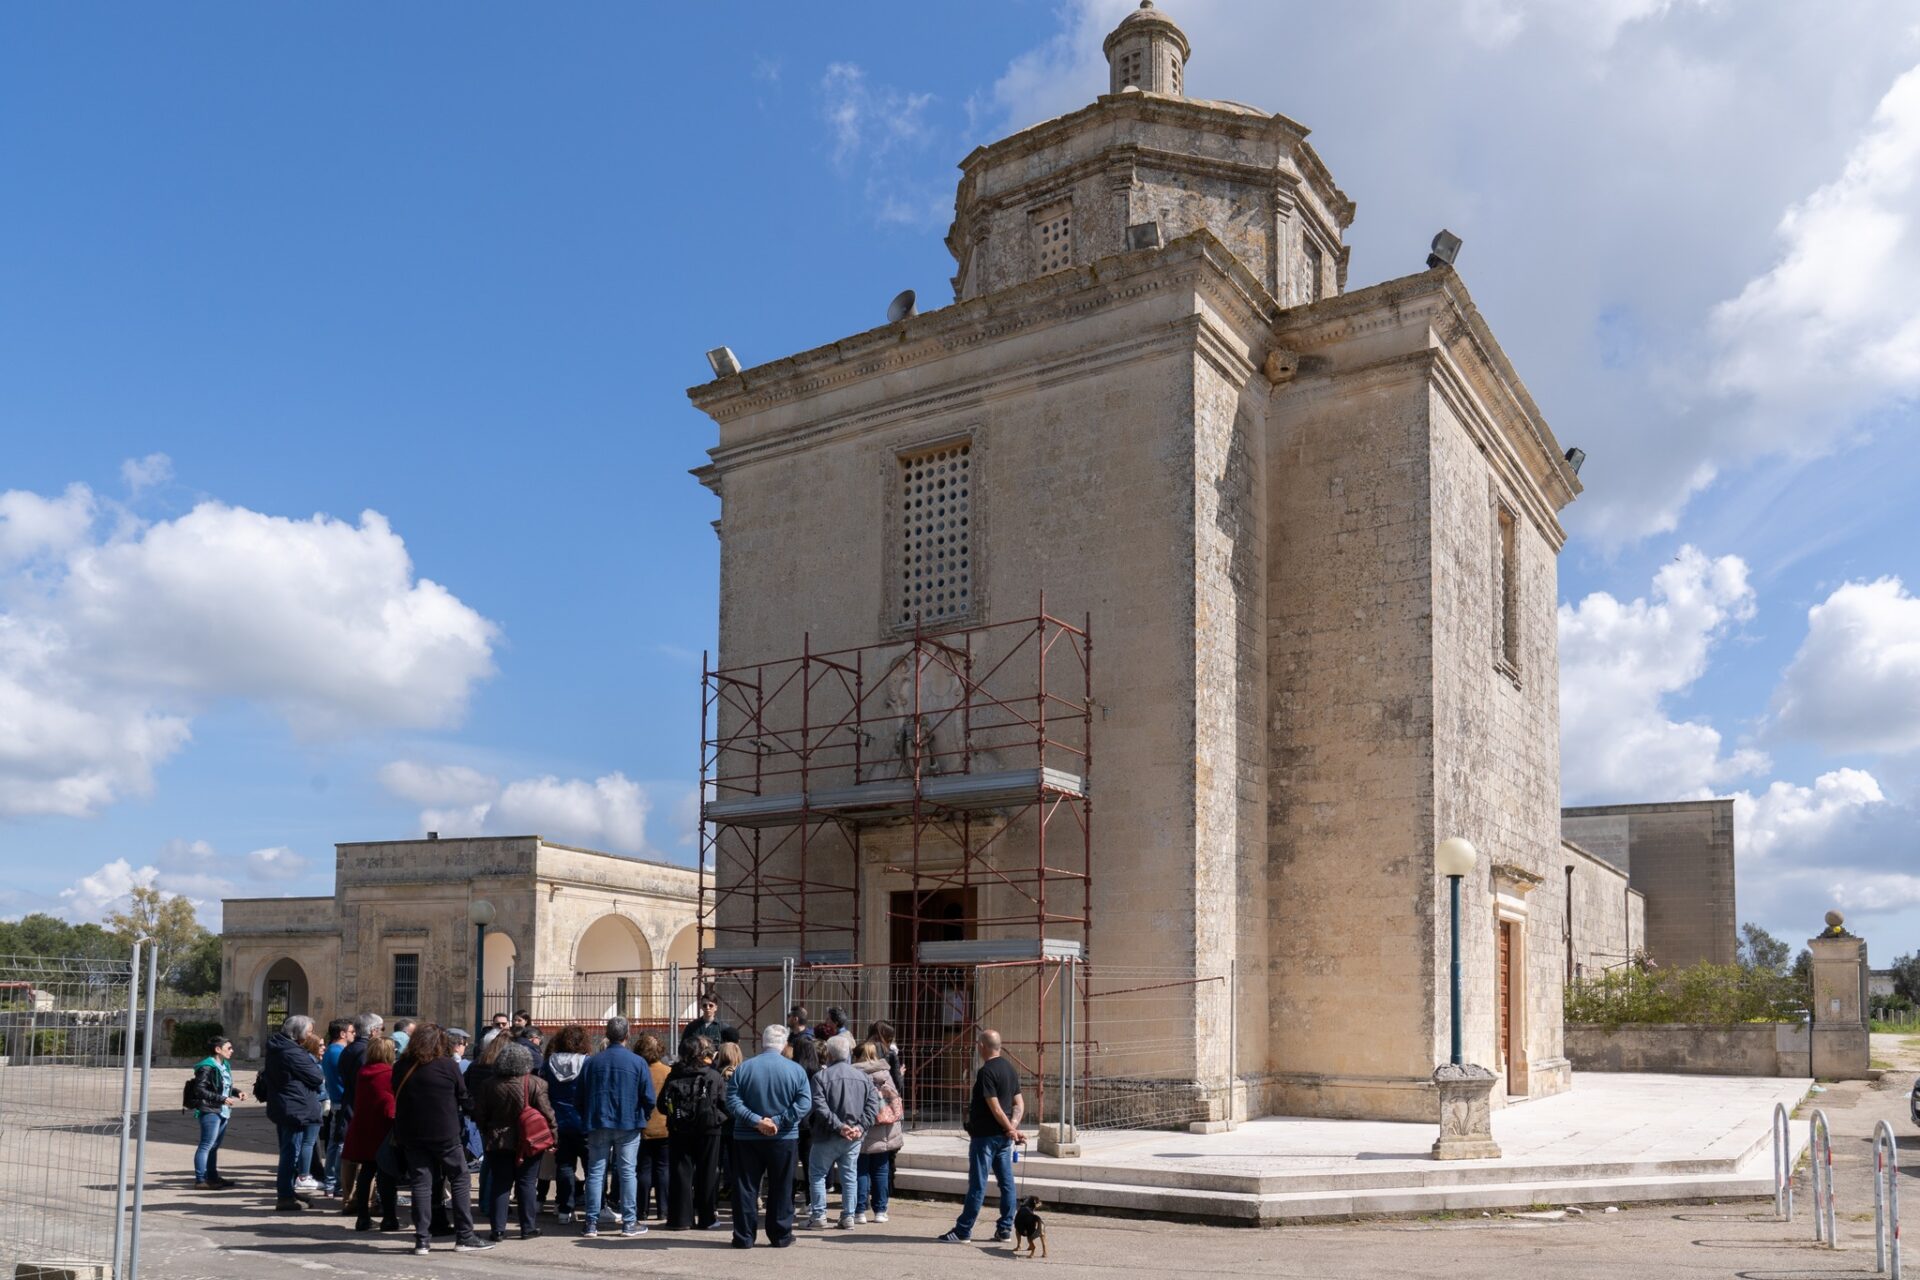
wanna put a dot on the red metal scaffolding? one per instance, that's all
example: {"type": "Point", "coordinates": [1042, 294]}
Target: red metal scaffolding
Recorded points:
{"type": "Point", "coordinates": [953, 767]}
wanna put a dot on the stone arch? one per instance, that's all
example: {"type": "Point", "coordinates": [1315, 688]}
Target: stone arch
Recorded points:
{"type": "Point", "coordinates": [612, 944]}
{"type": "Point", "coordinates": [280, 990]}
{"type": "Point", "coordinates": [499, 957]}
{"type": "Point", "coordinates": [684, 951]}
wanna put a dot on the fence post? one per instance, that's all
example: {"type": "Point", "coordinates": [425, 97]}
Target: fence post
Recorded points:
{"type": "Point", "coordinates": [146, 1081]}
{"type": "Point", "coordinates": [126, 1109]}
{"type": "Point", "coordinates": [1782, 1163]}
{"type": "Point", "coordinates": [786, 990]}
{"type": "Point", "coordinates": [1820, 1146]}
{"type": "Point", "coordinates": [673, 1006]}
{"type": "Point", "coordinates": [1886, 1201]}
{"type": "Point", "coordinates": [1233, 1042]}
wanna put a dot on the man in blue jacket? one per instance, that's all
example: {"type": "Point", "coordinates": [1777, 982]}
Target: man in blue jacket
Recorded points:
{"type": "Point", "coordinates": [768, 1096]}
{"type": "Point", "coordinates": [615, 1099]}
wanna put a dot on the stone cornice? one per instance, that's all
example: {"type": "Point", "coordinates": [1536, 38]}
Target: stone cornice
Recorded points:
{"type": "Point", "coordinates": [1198, 260]}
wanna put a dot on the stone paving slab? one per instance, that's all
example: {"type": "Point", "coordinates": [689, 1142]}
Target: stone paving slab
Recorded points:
{"type": "Point", "coordinates": [1627, 1137]}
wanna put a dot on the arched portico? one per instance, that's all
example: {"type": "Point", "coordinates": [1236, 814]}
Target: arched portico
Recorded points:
{"type": "Point", "coordinates": [611, 945]}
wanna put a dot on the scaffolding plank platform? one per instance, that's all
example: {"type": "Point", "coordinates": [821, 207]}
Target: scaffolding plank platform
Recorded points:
{"type": "Point", "coordinates": [893, 797]}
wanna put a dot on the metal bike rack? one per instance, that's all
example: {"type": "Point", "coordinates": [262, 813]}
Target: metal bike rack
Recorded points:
{"type": "Point", "coordinates": [1820, 1149]}
{"type": "Point", "coordinates": [1782, 1163]}
{"type": "Point", "coordinates": [1886, 1201]}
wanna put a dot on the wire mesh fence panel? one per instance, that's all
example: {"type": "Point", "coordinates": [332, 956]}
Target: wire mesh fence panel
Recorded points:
{"type": "Point", "coordinates": [658, 1001]}
{"type": "Point", "coordinates": [1155, 1048]}
{"type": "Point", "coordinates": [64, 1078]}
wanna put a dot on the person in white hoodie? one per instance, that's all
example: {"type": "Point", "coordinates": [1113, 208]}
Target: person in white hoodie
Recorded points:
{"type": "Point", "coordinates": [566, 1055]}
{"type": "Point", "coordinates": [883, 1138]}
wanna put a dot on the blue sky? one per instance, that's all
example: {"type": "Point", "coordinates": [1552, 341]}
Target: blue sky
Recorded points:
{"type": "Point", "coordinates": [263, 270]}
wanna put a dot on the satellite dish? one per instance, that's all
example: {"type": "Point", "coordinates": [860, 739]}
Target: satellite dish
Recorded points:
{"type": "Point", "coordinates": [901, 307]}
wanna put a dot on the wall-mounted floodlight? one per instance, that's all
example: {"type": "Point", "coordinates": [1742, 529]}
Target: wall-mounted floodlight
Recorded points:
{"type": "Point", "coordinates": [1446, 247]}
{"type": "Point", "coordinates": [725, 363]}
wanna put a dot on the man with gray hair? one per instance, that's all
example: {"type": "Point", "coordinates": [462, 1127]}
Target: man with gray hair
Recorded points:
{"type": "Point", "coordinates": [845, 1102]}
{"type": "Point", "coordinates": [291, 1086]}
{"type": "Point", "coordinates": [615, 1098]}
{"type": "Point", "coordinates": [767, 1096]}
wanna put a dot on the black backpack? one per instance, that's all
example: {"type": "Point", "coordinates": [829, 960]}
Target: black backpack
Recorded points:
{"type": "Point", "coordinates": [691, 1103]}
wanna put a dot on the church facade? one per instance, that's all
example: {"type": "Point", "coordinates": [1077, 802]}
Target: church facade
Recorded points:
{"type": "Point", "coordinates": [1314, 529]}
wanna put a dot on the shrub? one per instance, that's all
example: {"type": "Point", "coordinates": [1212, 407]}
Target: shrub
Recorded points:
{"type": "Point", "coordinates": [1702, 993]}
{"type": "Point", "coordinates": [190, 1038]}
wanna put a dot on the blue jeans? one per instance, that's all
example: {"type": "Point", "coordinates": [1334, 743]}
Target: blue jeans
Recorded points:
{"type": "Point", "coordinates": [206, 1156]}
{"type": "Point", "coordinates": [336, 1139]}
{"type": "Point", "coordinates": [987, 1155]}
{"type": "Point", "coordinates": [292, 1140]}
{"type": "Point", "coordinates": [624, 1146]}
{"type": "Point", "coordinates": [876, 1179]}
{"type": "Point", "coordinates": [839, 1154]}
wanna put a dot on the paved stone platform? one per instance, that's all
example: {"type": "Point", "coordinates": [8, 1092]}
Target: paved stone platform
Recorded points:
{"type": "Point", "coordinates": [1611, 1139]}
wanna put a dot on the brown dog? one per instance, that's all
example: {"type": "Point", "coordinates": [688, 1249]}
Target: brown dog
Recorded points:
{"type": "Point", "coordinates": [1028, 1228]}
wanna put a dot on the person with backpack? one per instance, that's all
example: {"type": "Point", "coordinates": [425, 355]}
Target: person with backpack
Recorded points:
{"type": "Point", "coordinates": [562, 1074]}
{"type": "Point", "coordinates": [209, 1095]}
{"type": "Point", "coordinates": [517, 1125]}
{"type": "Point", "coordinates": [693, 1103]}
{"type": "Point", "coordinates": [882, 1140]}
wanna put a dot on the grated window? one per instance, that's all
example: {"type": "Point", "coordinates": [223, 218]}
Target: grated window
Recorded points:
{"type": "Point", "coordinates": [1176, 79]}
{"type": "Point", "coordinates": [406, 984]}
{"type": "Point", "coordinates": [936, 529]}
{"type": "Point", "coordinates": [1131, 66]}
{"type": "Point", "coordinates": [1053, 238]}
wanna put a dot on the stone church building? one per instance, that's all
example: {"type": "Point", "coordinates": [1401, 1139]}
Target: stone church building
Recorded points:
{"type": "Point", "coordinates": [576, 935]}
{"type": "Point", "coordinates": [1313, 527]}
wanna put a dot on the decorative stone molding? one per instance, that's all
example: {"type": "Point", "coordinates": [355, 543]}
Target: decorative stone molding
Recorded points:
{"type": "Point", "coordinates": [1466, 1113]}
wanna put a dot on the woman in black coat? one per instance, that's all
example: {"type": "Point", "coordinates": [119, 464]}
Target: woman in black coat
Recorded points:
{"type": "Point", "coordinates": [693, 1099]}
{"type": "Point", "coordinates": [291, 1086]}
{"type": "Point", "coordinates": [429, 1103]}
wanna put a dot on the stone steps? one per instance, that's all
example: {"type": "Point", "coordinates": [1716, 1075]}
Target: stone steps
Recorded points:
{"type": "Point", "coordinates": [1321, 1203]}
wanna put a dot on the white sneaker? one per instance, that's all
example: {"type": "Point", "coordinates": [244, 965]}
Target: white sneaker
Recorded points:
{"type": "Point", "coordinates": [306, 1184]}
{"type": "Point", "coordinates": [860, 1218]}
{"type": "Point", "coordinates": [878, 1217]}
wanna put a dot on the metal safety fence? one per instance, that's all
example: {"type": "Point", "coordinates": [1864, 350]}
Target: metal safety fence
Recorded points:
{"type": "Point", "coordinates": [76, 1061]}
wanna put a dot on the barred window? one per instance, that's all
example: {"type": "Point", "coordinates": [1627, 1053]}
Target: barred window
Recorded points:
{"type": "Point", "coordinates": [936, 535]}
{"type": "Point", "coordinates": [1506, 590]}
{"type": "Point", "coordinates": [1131, 66]}
{"type": "Point", "coordinates": [406, 984]}
{"type": "Point", "coordinates": [1053, 238]}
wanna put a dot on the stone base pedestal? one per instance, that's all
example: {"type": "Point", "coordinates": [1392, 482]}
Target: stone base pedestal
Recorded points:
{"type": "Point", "coordinates": [1059, 1140]}
{"type": "Point", "coordinates": [1466, 1113]}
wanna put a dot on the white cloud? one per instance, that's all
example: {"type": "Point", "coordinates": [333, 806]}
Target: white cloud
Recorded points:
{"type": "Point", "coordinates": [277, 863]}
{"type": "Point", "coordinates": [1798, 821]}
{"type": "Point", "coordinates": [1618, 169]}
{"type": "Point", "coordinates": [865, 118]}
{"type": "Point", "coordinates": [32, 526]}
{"type": "Point", "coordinates": [140, 474]}
{"type": "Point", "coordinates": [109, 889]}
{"type": "Point", "coordinates": [110, 640]}
{"type": "Point", "coordinates": [441, 784]}
{"type": "Point", "coordinates": [608, 813]}
{"type": "Point", "coordinates": [1855, 683]}
{"type": "Point", "coordinates": [1835, 323]}
{"type": "Point", "coordinates": [1620, 661]}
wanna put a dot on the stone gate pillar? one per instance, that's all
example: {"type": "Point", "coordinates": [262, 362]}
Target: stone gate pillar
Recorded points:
{"type": "Point", "coordinates": [1840, 1046]}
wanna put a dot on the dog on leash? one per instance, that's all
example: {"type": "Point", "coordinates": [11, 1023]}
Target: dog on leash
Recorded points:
{"type": "Point", "coordinates": [1028, 1229]}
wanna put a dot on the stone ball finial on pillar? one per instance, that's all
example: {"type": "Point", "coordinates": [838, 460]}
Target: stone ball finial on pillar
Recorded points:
{"type": "Point", "coordinates": [1835, 920]}
{"type": "Point", "coordinates": [1147, 51]}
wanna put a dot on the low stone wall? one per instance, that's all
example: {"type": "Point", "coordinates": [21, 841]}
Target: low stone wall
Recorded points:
{"type": "Point", "coordinates": [1742, 1049]}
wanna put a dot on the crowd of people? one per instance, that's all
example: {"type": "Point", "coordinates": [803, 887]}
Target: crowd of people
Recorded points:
{"type": "Point", "coordinates": [618, 1133]}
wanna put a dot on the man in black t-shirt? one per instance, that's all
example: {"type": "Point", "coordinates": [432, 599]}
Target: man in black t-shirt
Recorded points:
{"type": "Point", "coordinates": [994, 1113]}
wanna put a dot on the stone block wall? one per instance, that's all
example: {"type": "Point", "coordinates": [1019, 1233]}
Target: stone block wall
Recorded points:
{"type": "Point", "coordinates": [1609, 916]}
{"type": "Point", "coordinates": [1681, 857]}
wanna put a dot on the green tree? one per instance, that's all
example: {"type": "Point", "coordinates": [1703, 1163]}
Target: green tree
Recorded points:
{"type": "Point", "coordinates": [166, 918]}
{"type": "Point", "coordinates": [199, 973]}
{"type": "Point", "coordinates": [1906, 976]}
{"type": "Point", "coordinates": [1758, 949]}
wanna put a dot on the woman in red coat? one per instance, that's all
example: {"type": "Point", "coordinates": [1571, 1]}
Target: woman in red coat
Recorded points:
{"type": "Point", "coordinates": [372, 1117]}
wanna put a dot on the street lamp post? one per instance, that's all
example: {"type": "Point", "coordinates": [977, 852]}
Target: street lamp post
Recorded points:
{"type": "Point", "coordinates": [1454, 858]}
{"type": "Point", "coordinates": [481, 913]}
{"type": "Point", "coordinates": [1464, 1091]}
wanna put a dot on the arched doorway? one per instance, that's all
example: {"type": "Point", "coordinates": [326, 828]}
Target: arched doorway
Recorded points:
{"type": "Point", "coordinates": [283, 992]}
{"type": "Point", "coordinates": [612, 966]}
{"type": "Point", "coordinates": [497, 959]}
